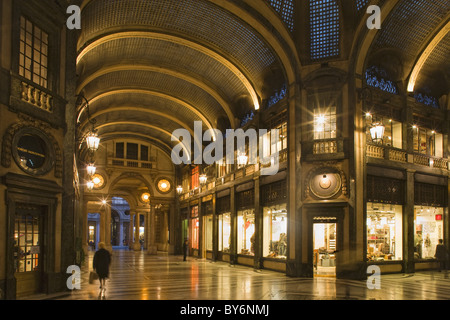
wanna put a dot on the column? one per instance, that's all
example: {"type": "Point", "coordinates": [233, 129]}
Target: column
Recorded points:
{"type": "Point", "coordinates": [172, 231]}
{"type": "Point", "coordinates": [130, 231]}
{"type": "Point", "coordinates": [137, 244]}
{"type": "Point", "coordinates": [258, 226]}
{"type": "Point", "coordinates": [108, 227]}
{"type": "Point", "coordinates": [85, 240]}
{"type": "Point", "coordinates": [408, 223]}
{"type": "Point", "coordinates": [152, 247]}
{"type": "Point", "coordinates": [233, 244]}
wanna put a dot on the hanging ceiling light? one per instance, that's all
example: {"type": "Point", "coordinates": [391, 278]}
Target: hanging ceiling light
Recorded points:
{"type": "Point", "coordinates": [90, 185]}
{"type": "Point", "coordinates": [179, 189]}
{"type": "Point", "coordinates": [203, 179]}
{"type": "Point", "coordinates": [91, 169]}
{"type": "Point", "coordinates": [92, 141]}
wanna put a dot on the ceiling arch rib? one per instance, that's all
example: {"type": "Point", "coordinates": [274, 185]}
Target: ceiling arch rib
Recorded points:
{"type": "Point", "coordinates": [173, 73]}
{"type": "Point", "coordinates": [179, 41]}
{"type": "Point", "coordinates": [145, 92]}
{"type": "Point", "coordinates": [157, 82]}
{"type": "Point", "coordinates": [163, 120]}
{"type": "Point", "coordinates": [431, 46]}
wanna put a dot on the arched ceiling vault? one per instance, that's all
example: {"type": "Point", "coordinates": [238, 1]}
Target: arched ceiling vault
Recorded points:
{"type": "Point", "coordinates": [417, 32]}
{"type": "Point", "coordinates": [149, 67]}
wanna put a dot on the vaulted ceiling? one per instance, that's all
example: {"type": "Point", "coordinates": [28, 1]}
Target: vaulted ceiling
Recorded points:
{"type": "Point", "coordinates": [148, 68]}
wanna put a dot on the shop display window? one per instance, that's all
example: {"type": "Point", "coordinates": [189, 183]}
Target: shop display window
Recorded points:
{"type": "Point", "coordinates": [209, 232]}
{"type": "Point", "coordinates": [194, 228]}
{"type": "Point", "coordinates": [428, 229]}
{"type": "Point", "coordinates": [246, 232]}
{"type": "Point", "coordinates": [275, 231]}
{"type": "Point", "coordinates": [384, 232]}
{"type": "Point", "coordinates": [225, 232]}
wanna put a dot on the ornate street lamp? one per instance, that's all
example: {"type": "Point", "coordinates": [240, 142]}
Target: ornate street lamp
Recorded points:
{"type": "Point", "coordinates": [91, 169]}
{"type": "Point", "coordinates": [242, 159]}
{"type": "Point", "coordinates": [203, 179]}
{"type": "Point", "coordinates": [179, 189]}
{"type": "Point", "coordinates": [92, 141]}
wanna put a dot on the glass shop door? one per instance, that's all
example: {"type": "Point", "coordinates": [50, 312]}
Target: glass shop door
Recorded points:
{"type": "Point", "coordinates": [28, 254]}
{"type": "Point", "coordinates": [324, 249]}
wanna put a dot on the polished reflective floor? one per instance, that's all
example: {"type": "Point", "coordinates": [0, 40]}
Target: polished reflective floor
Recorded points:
{"type": "Point", "coordinates": [138, 276]}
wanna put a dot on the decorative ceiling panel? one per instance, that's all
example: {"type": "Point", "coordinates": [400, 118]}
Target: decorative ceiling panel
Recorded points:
{"type": "Point", "coordinates": [411, 24]}
{"type": "Point", "coordinates": [167, 84]}
{"type": "Point", "coordinates": [146, 51]}
{"type": "Point", "coordinates": [197, 19]}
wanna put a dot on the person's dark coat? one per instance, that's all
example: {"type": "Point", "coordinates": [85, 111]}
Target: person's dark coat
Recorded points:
{"type": "Point", "coordinates": [441, 252]}
{"type": "Point", "coordinates": [102, 260]}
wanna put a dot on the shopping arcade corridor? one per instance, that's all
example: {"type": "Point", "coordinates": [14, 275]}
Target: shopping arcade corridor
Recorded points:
{"type": "Point", "coordinates": [139, 276]}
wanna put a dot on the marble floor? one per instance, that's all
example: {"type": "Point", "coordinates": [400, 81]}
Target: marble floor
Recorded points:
{"type": "Point", "coordinates": [138, 276]}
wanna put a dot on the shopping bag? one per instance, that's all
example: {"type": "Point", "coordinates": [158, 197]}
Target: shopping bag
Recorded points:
{"type": "Point", "coordinates": [93, 276]}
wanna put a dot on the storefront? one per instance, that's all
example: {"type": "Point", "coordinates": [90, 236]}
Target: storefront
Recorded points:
{"type": "Point", "coordinates": [194, 231]}
{"type": "Point", "coordinates": [275, 222]}
{"type": "Point", "coordinates": [430, 216]}
{"type": "Point", "coordinates": [384, 232]}
{"type": "Point", "coordinates": [246, 227]}
{"type": "Point", "coordinates": [386, 222]}
{"type": "Point", "coordinates": [208, 227]}
{"type": "Point", "coordinates": [223, 213]}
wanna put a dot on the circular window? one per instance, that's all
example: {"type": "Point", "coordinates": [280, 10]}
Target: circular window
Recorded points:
{"type": "Point", "coordinates": [32, 151]}
{"type": "Point", "coordinates": [164, 185]}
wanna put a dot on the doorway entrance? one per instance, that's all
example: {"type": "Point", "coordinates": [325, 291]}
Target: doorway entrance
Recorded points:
{"type": "Point", "coordinates": [28, 251]}
{"type": "Point", "coordinates": [324, 249]}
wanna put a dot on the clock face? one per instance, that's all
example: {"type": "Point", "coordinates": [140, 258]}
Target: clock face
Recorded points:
{"type": "Point", "coordinates": [98, 180]}
{"type": "Point", "coordinates": [164, 185]}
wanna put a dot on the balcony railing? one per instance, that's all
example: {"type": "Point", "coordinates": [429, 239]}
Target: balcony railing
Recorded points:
{"type": "Point", "coordinates": [117, 162]}
{"type": "Point", "coordinates": [38, 98]}
{"type": "Point", "coordinates": [392, 154]}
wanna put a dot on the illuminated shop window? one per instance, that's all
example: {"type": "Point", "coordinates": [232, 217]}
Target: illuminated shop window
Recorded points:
{"type": "Point", "coordinates": [224, 232]}
{"type": "Point", "coordinates": [33, 57]}
{"type": "Point", "coordinates": [325, 29]}
{"type": "Point", "coordinates": [275, 232]}
{"type": "Point", "coordinates": [209, 232]}
{"type": "Point", "coordinates": [428, 229]}
{"type": "Point", "coordinates": [246, 232]}
{"type": "Point", "coordinates": [384, 232]}
{"type": "Point", "coordinates": [194, 228]}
